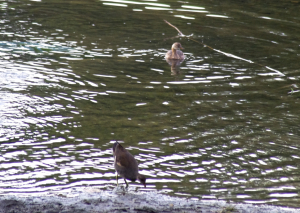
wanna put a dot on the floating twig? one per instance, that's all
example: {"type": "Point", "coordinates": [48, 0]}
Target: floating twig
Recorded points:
{"type": "Point", "coordinates": [180, 33]}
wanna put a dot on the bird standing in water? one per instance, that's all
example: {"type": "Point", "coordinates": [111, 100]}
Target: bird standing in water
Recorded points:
{"type": "Point", "coordinates": [126, 166]}
{"type": "Point", "coordinates": [175, 52]}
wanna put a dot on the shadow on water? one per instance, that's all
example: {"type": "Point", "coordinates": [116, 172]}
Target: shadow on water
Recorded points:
{"type": "Point", "coordinates": [77, 76]}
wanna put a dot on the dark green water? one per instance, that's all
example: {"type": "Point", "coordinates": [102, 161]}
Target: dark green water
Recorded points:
{"type": "Point", "coordinates": [76, 76]}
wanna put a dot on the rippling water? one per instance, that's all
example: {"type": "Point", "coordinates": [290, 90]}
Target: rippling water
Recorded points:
{"type": "Point", "coordinates": [77, 76]}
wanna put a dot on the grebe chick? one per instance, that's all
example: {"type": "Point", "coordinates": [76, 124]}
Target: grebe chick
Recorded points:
{"type": "Point", "coordinates": [175, 52]}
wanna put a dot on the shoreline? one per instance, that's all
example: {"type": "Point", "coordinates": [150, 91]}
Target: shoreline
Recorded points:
{"type": "Point", "coordinates": [94, 200]}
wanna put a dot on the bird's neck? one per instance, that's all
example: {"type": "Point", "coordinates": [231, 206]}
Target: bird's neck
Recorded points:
{"type": "Point", "coordinates": [174, 52]}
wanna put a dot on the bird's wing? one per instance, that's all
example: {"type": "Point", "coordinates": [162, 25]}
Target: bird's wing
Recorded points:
{"type": "Point", "coordinates": [122, 159]}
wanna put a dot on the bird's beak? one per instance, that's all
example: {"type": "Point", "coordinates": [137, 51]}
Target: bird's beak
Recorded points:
{"type": "Point", "coordinates": [181, 48]}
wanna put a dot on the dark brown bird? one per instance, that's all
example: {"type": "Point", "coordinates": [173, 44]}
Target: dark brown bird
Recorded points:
{"type": "Point", "coordinates": [126, 166]}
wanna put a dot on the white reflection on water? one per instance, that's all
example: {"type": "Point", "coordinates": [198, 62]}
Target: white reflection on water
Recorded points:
{"type": "Point", "coordinates": [188, 82]}
{"type": "Point", "coordinates": [116, 4]}
{"type": "Point", "coordinates": [184, 17]}
{"type": "Point", "coordinates": [193, 11]}
{"type": "Point", "coordinates": [138, 3]}
{"type": "Point", "coordinates": [283, 195]}
{"type": "Point", "coordinates": [193, 7]}
{"type": "Point", "coordinates": [217, 16]}
{"type": "Point", "coordinates": [157, 8]}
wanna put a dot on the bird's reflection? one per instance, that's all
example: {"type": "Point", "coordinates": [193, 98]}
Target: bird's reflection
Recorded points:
{"type": "Point", "coordinates": [175, 57]}
{"type": "Point", "coordinates": [175, 65]}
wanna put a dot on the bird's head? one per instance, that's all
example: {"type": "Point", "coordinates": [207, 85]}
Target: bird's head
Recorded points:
{"type": "Point", "coordinates": [177, 46]}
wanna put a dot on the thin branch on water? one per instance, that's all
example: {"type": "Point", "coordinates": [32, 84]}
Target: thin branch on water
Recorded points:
{"type": "Point", "coordinates": [224, 53]}
{"type": "Point", "coordinates": [180, 33]}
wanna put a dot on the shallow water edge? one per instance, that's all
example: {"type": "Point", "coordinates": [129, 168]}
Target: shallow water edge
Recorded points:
{"type": "Point", "coordinates": [95, 200]}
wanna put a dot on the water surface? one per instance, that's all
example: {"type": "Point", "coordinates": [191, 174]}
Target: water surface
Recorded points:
{"type": "Point", "coordinates": [76, 76]}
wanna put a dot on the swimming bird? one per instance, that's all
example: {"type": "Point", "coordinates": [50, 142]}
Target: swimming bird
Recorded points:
{"type": "Point", "coordinates": [126, 166]}
{"type": "Point", "coordinates": [175, 52]}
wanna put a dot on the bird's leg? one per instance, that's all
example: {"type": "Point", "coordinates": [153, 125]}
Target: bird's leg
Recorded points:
{"type": "Point", "coordinates": [117, 178]}
{"type": "Point", "coordinates": [126, 183]}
